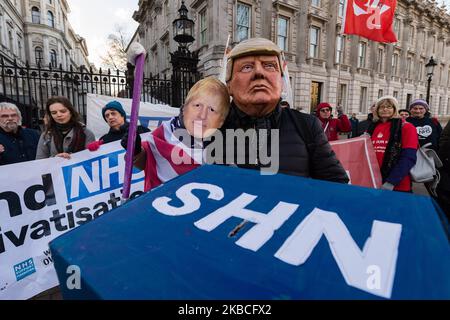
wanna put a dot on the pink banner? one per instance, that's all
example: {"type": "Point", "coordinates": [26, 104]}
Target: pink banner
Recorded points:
{"type": "Point", "coordinates": [358, 158]}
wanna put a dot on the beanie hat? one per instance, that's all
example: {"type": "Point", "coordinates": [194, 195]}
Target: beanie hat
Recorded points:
{"type": "Point", "coordinates": [419, 102]}
{"type": "Point", "coordinates": [252, 47]}
{"type": "Point", "coordinates": [321, 106]}
{"type": "Point", "coordinates": [116, 105]}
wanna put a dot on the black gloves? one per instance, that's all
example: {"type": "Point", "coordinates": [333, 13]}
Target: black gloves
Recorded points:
{"type": "Point", "coordinates": [137, 143]}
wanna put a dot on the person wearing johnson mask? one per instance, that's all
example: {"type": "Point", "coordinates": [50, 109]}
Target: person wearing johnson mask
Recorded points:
{"type": "Point", "coordinates": [254, 80]}
{"type": "Point", "coordinates": [178, 145]}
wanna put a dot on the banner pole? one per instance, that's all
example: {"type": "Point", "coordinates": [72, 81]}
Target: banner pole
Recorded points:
{"type": "Point", "coordinates": [133, 126]}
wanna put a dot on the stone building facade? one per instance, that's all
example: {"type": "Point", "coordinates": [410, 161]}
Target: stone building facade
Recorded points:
{"type": "Point", "coordinates": [324, 65]}
{"type": "Point", "coordinates": [38, 31]}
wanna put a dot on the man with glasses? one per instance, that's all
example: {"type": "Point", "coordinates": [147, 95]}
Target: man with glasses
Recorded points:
{"type": "Point", "coordinates": [17, 144]}
{"type": "Point", "coordinates": [330, 125]}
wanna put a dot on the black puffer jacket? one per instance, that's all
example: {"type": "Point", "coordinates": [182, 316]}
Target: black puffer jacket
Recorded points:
{"type": "Point", "coordinates": [317, 160]}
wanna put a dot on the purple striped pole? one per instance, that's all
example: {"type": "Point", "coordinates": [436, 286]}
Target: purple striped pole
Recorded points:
{"type": "Point", "coordinates": [138, 77]}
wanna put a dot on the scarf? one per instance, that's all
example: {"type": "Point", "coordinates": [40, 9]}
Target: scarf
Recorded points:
{"type": "Point", "coordinates": [78, 141]}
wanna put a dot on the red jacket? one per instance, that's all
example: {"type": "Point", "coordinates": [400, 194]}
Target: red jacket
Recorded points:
{"type": "Point", "coordinates": [333, 126]}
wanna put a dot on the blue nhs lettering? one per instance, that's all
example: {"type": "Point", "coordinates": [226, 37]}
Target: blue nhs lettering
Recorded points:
{"type": "Point", "coordinates": [96, 176]}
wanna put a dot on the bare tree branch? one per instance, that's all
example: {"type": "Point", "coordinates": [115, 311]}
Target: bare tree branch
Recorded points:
{"type": "Point", "coordinates": [116, 56]}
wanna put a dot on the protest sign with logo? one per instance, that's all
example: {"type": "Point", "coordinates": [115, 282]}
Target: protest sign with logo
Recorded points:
{"type": "Point", "coordinates": [43, 199]}
{"type": "Point", "coordinates": [229, 233]}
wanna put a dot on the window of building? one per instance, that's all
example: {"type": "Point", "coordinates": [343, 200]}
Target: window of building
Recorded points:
{"type": "Point", "coordinates": [448, 78]}
{"type": "Point", "coordinates": [380, 93]}
{"type": "Point", "coordinates": [243, 21]}
{"type": "Point", "coordinates": [342, 98]}
{"type": "Point", "coordinates": [397, 27]}
{"type": "Point", "coordinates": [50, 19]}
{"type": "Point", "coordinates": [339, 49]}
{"type": "Point", "coordinates": [408, 68]}
{"type": "Point", "coordinates": [420, 71]}
{"type": "Point", "coordinates": [283, 25]}
{"type": "Point", "coordinates": [380, 56]}
{"type": "Point", "coordinates": [363, 100]}
{"type": "Point", "coordinates": [19, 47]}
{"type": "Point", "coordinates": [412, 33]}
{"type": "Point", "coordinates": [424, 37]}
{"type": "Point", "coordinates": [53, 59]}
{"type": "Point", "coordinates": [341, 8]}
{"type": "Point", "coordinates": [441, 106]}
{"type": "Point", "coordinates": [11, 41]}
{"type": "Point", "coordinates": [39, 56]}
{"type": "Point", "coordinates": [395, 94]}
{"type": "Point", "coordinates": [434, 44]}
{"type": "Point", "coordinates": [362, 55]}
{"type": "Point", "coordinates": [1, 30]}
{"type": "Point", "coordinates": [315, 3]}
{"type": "Point", "coordinates": [203, 28]}
{"type": "Point", "coordinates": [35, 15]}
{"type": "Point", "coordinates": [394, 64]}
{"type": "Point", "coordinates": [440, 76]}
{"type": "Point", "coordinates": [314, 37]}
{"type": "Point", "coordinates": [408, 100]}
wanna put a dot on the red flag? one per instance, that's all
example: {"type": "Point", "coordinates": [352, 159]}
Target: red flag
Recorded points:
{"type": "Point", "coordinates": [371, 19]}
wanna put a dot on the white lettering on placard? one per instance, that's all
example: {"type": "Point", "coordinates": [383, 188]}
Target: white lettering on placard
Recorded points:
{"type": "Point", "coordinates": [371, 269]}
{"type": "Point", "coordinates": [265, 226]}
{"type": "Point", "coordinates": [380, 249]}
{"type": "Point", "coordinates": [190, 202]}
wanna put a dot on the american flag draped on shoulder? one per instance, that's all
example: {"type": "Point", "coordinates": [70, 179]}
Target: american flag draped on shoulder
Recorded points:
{"type": "Point", "coordinates": [167, 156]}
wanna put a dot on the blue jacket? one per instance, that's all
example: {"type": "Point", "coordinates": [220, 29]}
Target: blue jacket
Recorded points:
{"type": "Point", "coordinates": [19, 147]}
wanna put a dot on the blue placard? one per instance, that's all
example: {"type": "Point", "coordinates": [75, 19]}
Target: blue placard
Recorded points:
{"type": "Point", "coordinates": [228, 233]}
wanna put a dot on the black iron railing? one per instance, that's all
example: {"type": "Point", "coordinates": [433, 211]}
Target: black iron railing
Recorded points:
{"type": "Point", "coordinates": [30, 87]}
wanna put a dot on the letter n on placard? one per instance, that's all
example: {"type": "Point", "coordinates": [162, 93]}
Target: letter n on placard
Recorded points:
{"type": "Point", "coordinates": [358, 267]}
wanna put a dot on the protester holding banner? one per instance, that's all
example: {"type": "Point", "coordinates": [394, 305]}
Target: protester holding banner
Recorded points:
{"type": "Point", "coordinates": [17, 144]}
{"type": "Point", "coordinates": [165, 156]}
{"type": "Point", "coordinates": [395, 143]}
{"type": "Point", "coordinates": [254, 79]}
{"type": "Point", "coordinates": [114, 114]}
{"type": "Point", "coordinates": [330, 125]}
{"type": "Point", "coordinates": [428, 129]}
{"type": "Point", "coordinates": [65, 134]}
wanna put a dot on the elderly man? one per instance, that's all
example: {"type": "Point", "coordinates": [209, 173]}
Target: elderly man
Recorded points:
{"type": "Point", "coordinates": [17, 144]}
{"type": "Point", "coordinates": [254, 79]}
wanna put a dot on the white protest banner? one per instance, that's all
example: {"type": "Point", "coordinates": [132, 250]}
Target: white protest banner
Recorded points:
{"type": "Point", "coordinates": [150, 115]}
{"type": "Point", "coordinates": [41, 200]}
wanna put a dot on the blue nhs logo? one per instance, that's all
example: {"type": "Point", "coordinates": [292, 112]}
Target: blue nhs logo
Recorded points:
{"type": "Point", "coordinates": [96, 176]}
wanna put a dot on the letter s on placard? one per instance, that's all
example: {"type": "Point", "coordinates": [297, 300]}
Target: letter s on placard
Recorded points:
{"type": "Point", "coordinates": [190, 202]}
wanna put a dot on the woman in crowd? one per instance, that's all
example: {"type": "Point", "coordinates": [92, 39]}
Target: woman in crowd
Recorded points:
{"type": "Point", "coordinates": [164, 155]}
{"type": "Point", "coordinates": [428, 129]}
{"type": "Point", "coordinates": [404, 113]}
{"type": "Point", "coordinates": [332, 126]}
{"type": "Point", "coordinates": [64, 134]}
{"type": "Point", "coordinates": [395, 143]}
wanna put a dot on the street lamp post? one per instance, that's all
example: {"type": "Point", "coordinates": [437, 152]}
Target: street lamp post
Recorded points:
{"type": "Point", "coordinates": [184, 62]}
{"type": "Point", "coordinates": [430, 71]}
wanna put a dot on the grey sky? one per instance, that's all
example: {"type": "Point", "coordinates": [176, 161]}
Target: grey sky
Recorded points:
{"type": "Point", "coordinates": [94, 20]}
